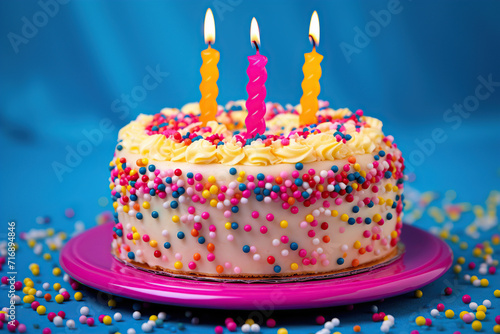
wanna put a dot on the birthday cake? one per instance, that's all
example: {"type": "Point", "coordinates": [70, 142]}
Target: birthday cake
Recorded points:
{"type": "Point", "coordinates": [296, 200]}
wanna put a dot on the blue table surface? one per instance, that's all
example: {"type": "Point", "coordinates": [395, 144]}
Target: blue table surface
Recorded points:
{"type": "Point", "coordinates": [462, 169]}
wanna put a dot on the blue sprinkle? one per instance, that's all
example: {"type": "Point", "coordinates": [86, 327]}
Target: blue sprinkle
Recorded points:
{"type": "Point", "coordinates": [261, 177]}
{"type": "Point", "coordinates": [152, 168]}
{"type": "Point", "coordinates": [181, 190]}
{"type": "Point", "coordinates": [232, 171]}
{"type": "Point", "coordinates": [168, 180]}
{"type": "Point", "coordinates": [351, 221]}
{"type": "Point", "coordinates": [201, 240]}
{"type": "Point", "coordinates": [355, 209]}
{"type": "Point", "coordinates": [277, 269]}
{"type": "Point", "coordinates": [305, 194]}
{"type": "Point", "coordinates": [340, 261]}
{"type": "Point", "coordinates": [298, 182]}
{"type": "Point", "coordinates": [119, 147]}
{"type": "Point", "coordinates": [389, 216]}
{"type": "Point", "coordinates": [131, 255]}
{"type": "Point", "coordinates": [246, 249]}
{"type": "Point", "coordinates": [174, 204]}
{"type": "Point", "coordinates": [152, 192]}
{"type": "Point", "coordinates": [234, 226]}
{"type": "Point", "coordinates": [299, 166]}
{"type": "Point", "coordinates": [180, 235]}
{"type": "Point", "coordinates": [242, 187]}
{"type": "Point", "coordinates": [368, 221]}
{"type": "Point", "coordinates": [161, 187]}
{"type": "Point", "coordinates": [189, 175]}
{"type": "Point", "coordinates": [133, 198]}
{"type": "Point", "coordinates": [235, 209]}
{"type": "Point", "coordinates": [294, 246]}
{"type": "Point", "coordinates": [381, 153]}
{"type": "Point", "coordinates": [138, 215]}
{"type": "Point", "coordinates": [387, 175]}
{"type": "Point", "coordinates": [335, 169]}
{"type": "Point", "coordinates": [259, 198]}
{"type": "Point", "coordinates": [166, 245]}
{"type": "Point", "coordinates": [154, 214]}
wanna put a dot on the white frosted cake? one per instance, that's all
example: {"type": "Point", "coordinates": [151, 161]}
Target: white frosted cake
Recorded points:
{"type": "Point", "coordinates": [193, 200]}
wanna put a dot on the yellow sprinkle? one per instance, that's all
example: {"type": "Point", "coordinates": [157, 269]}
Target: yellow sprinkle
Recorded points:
{"type": "Point", "coordinates": [107, 320]}
{"type": "Point", "coordinates": [420, 321]}
{"type": "Point", "coordinates": [282, 331]}
{"type": "Point", "coordinates": [242, 173]}
{"type": "Point", "coordinates": [284, 224]}
{"type": "Point", "coordinates": [41, 310]}
{"type": "Point", "coordinates": [57, 286]}
{"type": "Point", "coordinates": [461, 260]}
{"type": "Point", "coordinates": [146, 205]}
{"type": "Point", "coordinates": [32, 291]}
{"type": "Point", "coordinates": [111, 303]}
{"type": "Point", "coordinates": [59, 298]}
{"type": "Point", "coordinates": [213, 202]}
{"type": "Point", "coordinates": [136, 236]}
{"type": "Point", "coordinates": [457, 268]}
{"type": "Point", "coordinates": [78, 296]}
{"type": "Point", "coordinates": [309, 218]}
{"type": "Point", "coordinates": [214, 190]}
{"type": "Point", "coordinates": [344, 217]}
{"type": "Point", "coordinates": [211, 179]}
{"type": "Point", "coordinates": [31, 243]}
{"type": "Point", "coordinates": [449, 314]}
{"type": "Point", "coordinates": [473, 278]}
{"type": "Point", "coordinates": [176, 219]}
{"type": "Point", "coordinates": [56, 271]}
{"type": "Point", "coordinates": [480, 315]}
{"type": "Point", "coordinates": [153, 317]}
{"type": "Point", "coordinates": [357, 244]}
{"type": "Point", "coordinates": [419, 293]}
{"type": "Point", "coordinates": [394, 234]}
{"type": "Point", "coordinates": [462, 314]}
{"type": "Point", "coordinates": [477, 325]}
{"type": "Point", "coordinates": [496, 293]}
{"type": "Point", "coordinates": [335, 213]}
{"type": "Point", "coordinates": [227, 225]}
{"type": "Point", "coordinates": [481, 308]}
{"type": "Point", "coordinates": [484, 282]}
{"type": "Point", "coordinates": [496, 328]}
{"type": "Point", "coordinates": [47, 256]}
{"type": "Point", "coordinates": [50, 232]}
{"type": "Point", "coordinates": [464, 245]}
{"type": "Point", "coordinates": [476, 252]}
{"type": "Point", "coordinates": [28, 299]}
{"type": "Point", "coordinates": [377, 218]}
{"type": "Point", "coordinates": [126, 208]}
{"type": "Point", "coordinates": [178, 265]}
{"type": "Point", "coordinates": [249, 322]}
{"type": "Point", "coordinates": [205, 193]}
{"type": "Point", "coordinates": [29, 283]}
{"type": "Point", "coordinates": [294, 266]}
{"type": "Point", "coordinates": [239, 179]}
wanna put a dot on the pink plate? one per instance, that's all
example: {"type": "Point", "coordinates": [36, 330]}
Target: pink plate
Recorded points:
{"type": "Point", "coordinates": [87, 258]}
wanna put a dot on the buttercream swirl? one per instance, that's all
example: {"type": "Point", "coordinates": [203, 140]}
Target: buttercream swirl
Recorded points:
{"type": "Point", "coordinates": [259, 154]}
{"type": "Point", "coordinates": [201, 152]}
{"type": "Point", "coordinates": [294, 152]}
{"type": "Point", "coordinates": [230, 153]}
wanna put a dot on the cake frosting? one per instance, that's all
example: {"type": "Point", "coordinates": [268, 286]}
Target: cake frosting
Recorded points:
{"type": "Point", "coordinates": [296, 200]}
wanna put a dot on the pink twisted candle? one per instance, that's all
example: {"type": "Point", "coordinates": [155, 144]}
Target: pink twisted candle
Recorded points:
{"type": "Point", "coordinates": [256, 90]}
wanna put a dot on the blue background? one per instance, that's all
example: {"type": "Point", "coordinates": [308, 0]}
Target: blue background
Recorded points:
{"type": "Point", "coordinates": [66, 78]}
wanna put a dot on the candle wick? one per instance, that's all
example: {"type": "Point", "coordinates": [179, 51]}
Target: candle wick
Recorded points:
{"type": "Point", "coordinates": [313, 41]}
{"type": "Point", "coordinates": [256, 45]}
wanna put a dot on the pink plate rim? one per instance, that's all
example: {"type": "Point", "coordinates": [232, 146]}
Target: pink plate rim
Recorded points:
{"type": "Point", "coordinates": [87, 259]}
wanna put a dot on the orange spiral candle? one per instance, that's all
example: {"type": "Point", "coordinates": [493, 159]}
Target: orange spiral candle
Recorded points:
{"type": "Point", "coordinates": [312, 73]}
{"type": "Point", "coordinates": [209, 73]}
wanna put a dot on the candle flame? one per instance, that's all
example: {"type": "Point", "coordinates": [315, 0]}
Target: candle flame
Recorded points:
{"type": "Point", "coordinates": [209, 27]}
{"type": "Point", "coordinates": [254, 32]}
{"type": "Point", "coordinates": [314, 29]}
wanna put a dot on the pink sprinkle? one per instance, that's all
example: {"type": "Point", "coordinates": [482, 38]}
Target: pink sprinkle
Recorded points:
{"type": "Point", "coordinates": [237, 270]}
{"type": "Point", "coordinates": [192, 265]}
{"type": "Point", "coordinates": [270, 323]}
{"type": "Point", "coordinates": [320, 320]}
{"type": "Point", "coordinates": [302, 253]}
{"type": "Point", "coordinates": [219, 330]}
{"type": "Point", "coordinates": [210, 257]}
{"type": "Point", "coordinates": [284, 239]}
{"type": "Point", "coordinates": [466, 299]}
{"type": "Point", "coordinates": [247, 228]}
{"type": "Point", "coordinates": [255, 214]}
{"type": "Point", "coordinates": [263, 229]}
{"type": "Point", "coordinates": [269, 217]}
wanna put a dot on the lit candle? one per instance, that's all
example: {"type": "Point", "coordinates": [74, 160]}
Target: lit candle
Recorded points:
{"type": "Point", "coordinates": [256, 90]}
{"type": "Point", "coordinates": [312, 73]}
{"type": "Point", "coordinates": [209, 73]}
